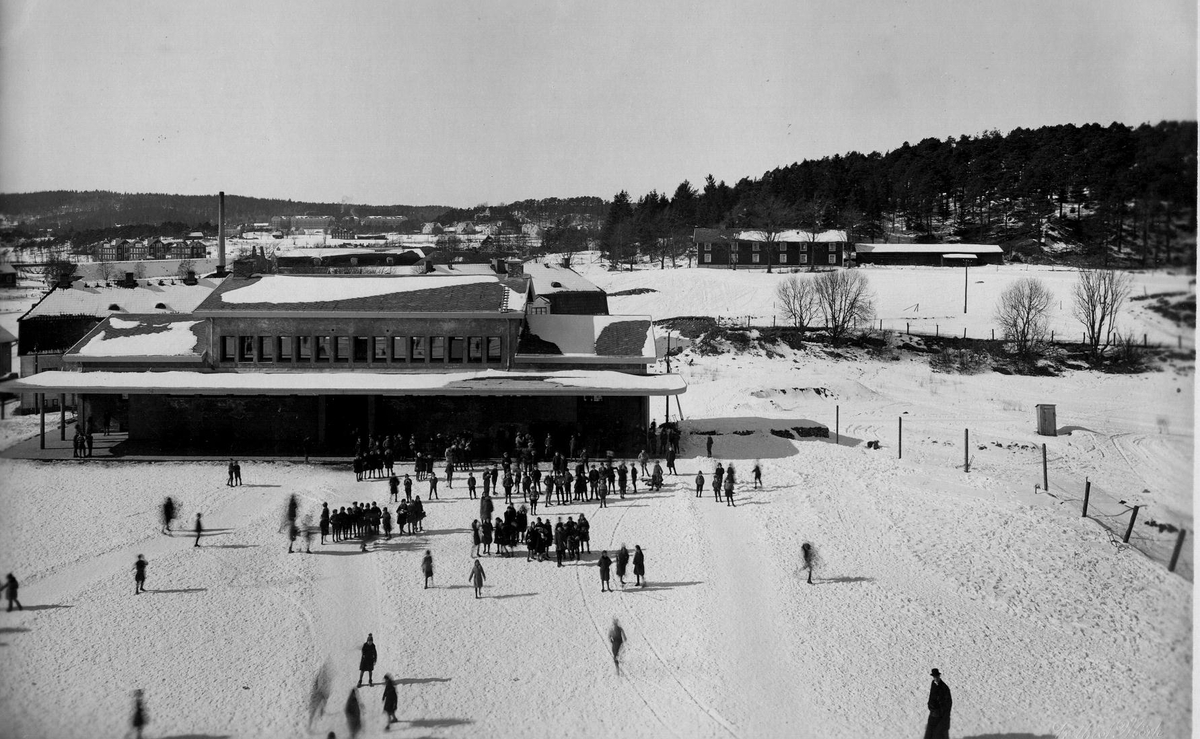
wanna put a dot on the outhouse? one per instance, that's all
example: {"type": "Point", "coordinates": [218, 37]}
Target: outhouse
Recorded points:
{"type": "Point", "coordinates": [1047, 420]}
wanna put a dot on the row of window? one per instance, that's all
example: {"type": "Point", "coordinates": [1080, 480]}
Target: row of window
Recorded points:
{"type": "Point", "coordinates": [831, 247]}
{"type": "Point", "coordinates": [783, 259]}
{"type": "Point", "coordinates": [362, 349]}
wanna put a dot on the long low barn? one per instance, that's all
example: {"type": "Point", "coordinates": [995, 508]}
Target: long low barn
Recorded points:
{"type": "Point", "coordinates": [936, 255]}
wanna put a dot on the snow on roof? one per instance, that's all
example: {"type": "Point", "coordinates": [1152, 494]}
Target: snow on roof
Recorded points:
{"type": "Point", "coordinates": [142, 336]}
{"type": "Point", "coordinates": [545, 277]}
{"type": "Point", "coordinates": [325, 252]}
{"type": "Point", "coordinates": [150, 268]}
{"type": "Point", "coordinates": [597, 338]}
{"type": "Point", "coordinates": [96, 301]}
{"type": "Point", "coordinates": [432, 293]}
{"type": "Point", "coordinates": [970, 249]}
{"type": "Point", "coordinates": [6, 337]}
{"type": "Point", "coordinates": [478, 382]}
{"type": "Point", "coordinates": [792, 235]}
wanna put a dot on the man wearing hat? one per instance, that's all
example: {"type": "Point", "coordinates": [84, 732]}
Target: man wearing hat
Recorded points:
{"type": "Point", "coordinates": [940, 702]}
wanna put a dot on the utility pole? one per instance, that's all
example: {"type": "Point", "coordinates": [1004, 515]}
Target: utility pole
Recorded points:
{"type": "Point", "coordinates": [966, 271]}
{"type": "Point", "coordinates": [667, 398]}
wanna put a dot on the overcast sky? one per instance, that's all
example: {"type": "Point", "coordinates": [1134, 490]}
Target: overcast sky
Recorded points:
{"type": "Point", "coordinates": [460, 103]}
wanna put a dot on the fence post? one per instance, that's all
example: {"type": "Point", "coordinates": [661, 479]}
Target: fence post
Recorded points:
{"type": "Point", "coordinates": [993, 334]}
{"type": "Point", "coordinates": [1051, 337]}
{"type": "Point", "coordinates": [1132, 518]}
{"type": "Point", "coordinates": [900, 437]}
{"type": "Point", "coordinates": [1087, 493]}
{"type": "Point", "coordinates": [1143, 340]}
{"type": "Point", "coordinates": [1178, 549]}
{"type": "Point", "coordinates": [967, 450]}
{"type": "Point", "coordinates": [964, 333]}
{"type": "Point", "coordinates": [837, 424]}
{"type": "Point", "coordinates": [1045, 471]}
{"type": "Point", "coordinates": [936, 330]}
{"type": "Point", "coordinates": [908, 330]}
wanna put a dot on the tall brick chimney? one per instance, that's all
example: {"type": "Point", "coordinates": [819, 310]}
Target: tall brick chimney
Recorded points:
{"type": "Point", "coordinates": [221, 235]}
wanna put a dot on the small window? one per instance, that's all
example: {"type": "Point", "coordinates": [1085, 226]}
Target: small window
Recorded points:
{"type": "Point", "coordinates": [306, 348]}
{"type": "Point", "coordinates": [324, 348]}
{"type": "Point", "coordinates": [353, 261]}
{"type": "Point", "coordinates": [754, 258]}
{"type": "Point", "coordinates": [246, 348]}
{"type": "Point", "coordinates": [380, 349]}
{"type": "Point", "coordinates": [400, 349]}
{"type": "Point", "coordinates": [475, 349]}
{"type": "Point", "coordinates": [362, 348]}
{"type": "Point", "coordinates": [437, 349]}
{"type": "Point", "coordinates": [418, 348]}
{"type": "Point", "coordinates": [539, 310]}
{"type": "Point", "coordinates": [341, 348]}
{"type": "Point", "coordinates": [755, 247]}
{"type": "Point", "coordinates": [782, 258]}
{"type": "Point", "coordinates": [391, 260]}
{"type": "Point", "coordinates": [228, 348]}
{"type": "Point", "coordinates": [266, 348]}
{"type": "Point", "coordinates": [803, 259]}
{"type": "Point", "coordinates": [832, 258]}
{"type": "Point", "coordinates": [733, 247]}
{"type": "Point", "coordinates": [708, 258]}
{"type": "Point", "coordinates": [458, 348]}
{"type": "Point", "coordinates": [285, 349]}
{"type": "Point", "coordinates": [493, 349]}
{"type": "Point", "coordinates": [708, 247]}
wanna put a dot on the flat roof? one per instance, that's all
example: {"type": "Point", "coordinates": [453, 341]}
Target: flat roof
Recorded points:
{"type": "Point", "coordinates": [928, 248]}
{"type": "Point", "coordinates": [470, 382]}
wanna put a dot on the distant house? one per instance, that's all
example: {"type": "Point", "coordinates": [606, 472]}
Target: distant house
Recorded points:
{"type": "Point", "coordinates": [935, 255]}
{"type": "Point", "coordinates": [8, 275]}
{"type": "Point", "coordinates": [313, 225]}
{"type": "Point", "coordinates": [113, 251]}
{"type": "Point", "coordinates": [790, 249]}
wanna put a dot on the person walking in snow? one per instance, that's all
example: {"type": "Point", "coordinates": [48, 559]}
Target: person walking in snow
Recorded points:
{"type": "Point", "coordinates": [471, 485]}
{"type": "Point", "coordinates": [622, 563]}
{"type": "Point", "coordinates": [643, 460]}
{"type": "Point", "coordinates": [366, 663]}
{"type": "Point", "coordinates": [671, 460]}
{"type": "Point", "coordinates": [393, 488]}
{"type": "Point", "coordinates": [168, 514]}
{"type": "Point", "coordinates": [808, 554]}
{"type": "Point", "coordinates": [940, 703]}
{"type": "Point", "coordinates": [708, 448]}
{"type": "Point", "coordinates": [199, 530]}
{"type": "Point", "coordinates": [10, 592]}
{"type": "Point", "coordinates": [229, 482]}
{"type": "Point", "coordinates": [699, 483]}
{"type": "Point", "coordinates": [616, 637]}
{"type": "Point", "coordinates": [237, 473]}
{"type": "Point", "coordinates": [729, 490]}
{"type": "Point", "coordinates": [639, 566]}
{"type": "Point", "coordinates": [757, 475]}
{"type": "Point", "coordinates": [477, 577]}
{"type": "Point", "coordinates": [433, 481]}
{"type": "Point", "coordinates": [139, 575]}
{"type": "Point", "coordinates": [324, 521]}
{"type": "Point", "coordinates": [718, 477]}
{"type": "Point", "coordinates": [427, 567]}
{"type": "Point", "coordinates": [140, 716]}
{"type": "Point", "coordinates": [353, 714]}
{"type": "Point", "coordinates": [604, 563]}
{"type": "Point", "coordinates": [389, 701]}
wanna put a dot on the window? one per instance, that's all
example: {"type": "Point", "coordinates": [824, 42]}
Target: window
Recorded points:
{"type": "Point", "coordinates": [493, 349]}
{"type": "Point", "coordinates": [803, 259]}
{"type": "Point", "coordinates": [324, 348]}
{"type": "Point", "coordinates": [437, 348]}
{"type": "Point", "coordinates": [306, 347]}
{"type": "Point", "coordinates": [228, 348]}
{"type": "Point", "coordinates": [708, 258]}
{"type": "Point", "coordinates": [783, 258]}
{"type": "Point", "coordinates": [245, 348]}
{"type": "Point", "coordinates": [539, 310]}
{"type": "Point", "coordinates": [755, 247]}
{"type": "Point", "coordinates": [380, 354]}
{"type": "Point", "coordinates": [475, 349]}
{"type": "Point", "coordinates": [285, 349]}
{"type": "Point", "coordinates": [399, 348]}
{"type": "Point", "coordinates": [266, 348]}
{"type": "Point", "coordinates": [754, 258]}
{"type": "Point", "coordinates": [708, 247]}
{"type": "Point", "coordinates": [832, 258]}
{"type": "Point", "coordinates": [418, 348]}
{"type": "Point", "coordinates": [362, 347]}
{"type": "Point", "coordinates": [341, 348]}
{"type": "Point", "coordinates": [733, 246]}
{"type": "Point", "coordinates": [458, 348]}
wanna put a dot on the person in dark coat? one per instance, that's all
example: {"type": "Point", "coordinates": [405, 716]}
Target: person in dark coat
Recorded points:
{"type": "Point", "coordinates": [393, 488]}
{"type": "Point", "coordinates": [389, 701]}
{"type": "Point", "coordinates": [353, 713]}
{"type": "Point", "coordinates": [718, 476]}
{"type": "Point", "coordinates": [10, 592]}
{"type": "Point", "coordinates": [938, 725]}
{"type": "Point", "coordinates": [139, 575]}
{"type": "Point", "coordinates": [809, 555]}
{"type": "Point", "coordinates": [199, 530]}
{"type": "Point", "coordinates": [616, 637]}
{"type": "Point", "coordinates": [757, 474]}
{"type": "Point", "coordinates": [699, 483]}
{"type": "Point", "coordinates": [604, 563]}
{"type": "Point", "coordinates": [427, 567]}
{"type": "Point", "coordinates": [639, 566]}
{"type": "Point", "coordinates": [622, 563]}
{"type": "Point", "coordinates": [367, 662]}
{"type": "Point", "coordinates": [324, 521]}
{"type": "Point", "coordinates": [140, 717]}
{"type": "Point", "coordinates": [477, 577]}
{"type": "Point", "coordinates": [168, 514]}
{"type": "Point", "coordinates": [708, 448]}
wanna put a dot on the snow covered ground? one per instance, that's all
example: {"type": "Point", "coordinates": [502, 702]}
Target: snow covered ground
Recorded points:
{"type": "Point", "coordinates": [1038, 622]}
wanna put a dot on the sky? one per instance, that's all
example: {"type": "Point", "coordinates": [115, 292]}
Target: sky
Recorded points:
{"type": "Point", "coordinates": [466, 103]}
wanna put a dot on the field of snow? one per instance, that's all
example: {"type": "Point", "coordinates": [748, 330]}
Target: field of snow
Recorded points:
{"type": "Point", "coordinates": [1041, 626]}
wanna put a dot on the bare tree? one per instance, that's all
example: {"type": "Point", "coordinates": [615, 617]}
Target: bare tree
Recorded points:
{"type": "Point", "coordinates": [798, 298]}
{"type": "Point", "coordinates": [1023, 315]}
{"type": "Point", "coordinates": [1098, 296]}
{"type": "Point", "coordinates": [845, 301]}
